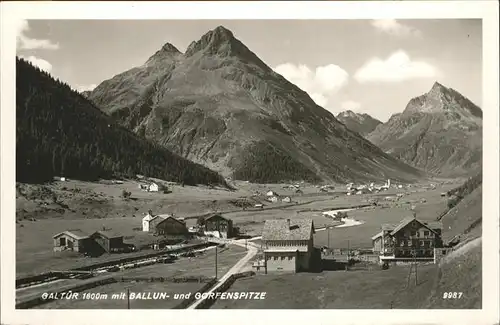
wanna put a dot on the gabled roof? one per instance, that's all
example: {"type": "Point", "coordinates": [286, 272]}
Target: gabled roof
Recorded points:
{"type": "Point", "coordinates": [169, 218]}
{"type": "Point", "coordinates": [75, 233]}
{"type": "Point", "coordinates": [216, 215]}
{"type": "Point", "coordinates": [279, 229]}
{"type": "Point", "coordinates": [107, 234]}
{"type": "Point", "coordinates": [434, 225]}
{"type": "Point", "coordinates": [389, 226]}
{"type": "Point", "coordinates": [378, 235]}
{"type": "Point", "coordinates": [406, 221]}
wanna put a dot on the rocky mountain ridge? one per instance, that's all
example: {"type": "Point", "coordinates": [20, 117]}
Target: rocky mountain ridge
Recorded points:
{"type": "Point", "coordinates": [218, 104]}
{"type": "Point", "coordinates": [360, 122]}
{"type": "Point", "coordinates": [439, 131]}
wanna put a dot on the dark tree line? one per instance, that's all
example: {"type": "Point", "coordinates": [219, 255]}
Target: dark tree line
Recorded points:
{"type": "Point", "coordinates": [458, 193]}
{"type": "Point", "coordinates": [60, 132]}
{"type": "Point", "coordinates": [265, 163]}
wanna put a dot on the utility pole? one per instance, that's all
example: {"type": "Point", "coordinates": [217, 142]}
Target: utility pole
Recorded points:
{"type": "Point", "coordinates": [128, 298]}
{"type": "Point", "coordinates": [416, 272]}
{"type": "Point", "coordinates": [328, 237]}
{"type": "Point", "coordinates": [413, 267]}
{"type": "Point", "coordinates": [348, 255]}
{"type": "Point", "coordinates": [216, 262]}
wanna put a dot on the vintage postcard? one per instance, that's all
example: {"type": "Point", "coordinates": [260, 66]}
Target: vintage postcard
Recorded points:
{"type": "Point", "coordinates": [295, 162]}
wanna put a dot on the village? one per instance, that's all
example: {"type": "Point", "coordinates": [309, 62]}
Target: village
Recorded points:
{"type": "Point", "coordinates": [267, 230]}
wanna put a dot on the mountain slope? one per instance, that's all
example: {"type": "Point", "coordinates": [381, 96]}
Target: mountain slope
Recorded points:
{"type": "Point", "coordinates": [218, 104]}
{"type": "Point", "coordinates": [361, 123]}
{"type": "Point", "coordinates": [464, 219]}
{"type": "Point", "coordinates": [440, 132]}
{"type": "Point", "coordinates": [59, 132]}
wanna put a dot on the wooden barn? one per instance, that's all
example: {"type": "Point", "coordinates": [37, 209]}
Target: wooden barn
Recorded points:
{"type": "Point", "coordinates": [219, 226]}
{"type": "Point", "coordinates": [172, 227]}
{"type": "Point", "coordinates": [75, 240]}
{"type": "Point", "coordinates": [109, 241]}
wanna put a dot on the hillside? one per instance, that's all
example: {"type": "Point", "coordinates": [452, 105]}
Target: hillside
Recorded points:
{"type": "Point", "coordinates": [462, 271]}
{"type": "Point", "coordinates": [361, 123]}
{"type": "Point", "coordinates": [219, 105]}
{"type": "Point", "coordinates": [59, 132]}
{"type": "Point", "coordinates": [464, 220]}
{"type": "Point", "coordinates": [439, 132]}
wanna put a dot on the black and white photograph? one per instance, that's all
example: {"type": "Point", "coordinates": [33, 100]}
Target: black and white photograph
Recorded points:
{"type": "Point", "coordinates": [285, 163]}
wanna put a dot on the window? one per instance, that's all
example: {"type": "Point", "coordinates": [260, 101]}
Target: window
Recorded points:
{"type": "Point", "coordinates": [290, 258]}
{"type": "Point", "coordinates": [426, 233]}
{"type": "Point", "coordinates": [413, 233]}
{"type": "Point", "coordinates": [443, 251]}
{"type": "Point", "coordinates": [421, 243]}
{"type": "Point", "coordinates": [402, 243]}
{"type": "Point", "coordinates": [275, 258]}
{"type": "Point", "coordinates": [282, 258]}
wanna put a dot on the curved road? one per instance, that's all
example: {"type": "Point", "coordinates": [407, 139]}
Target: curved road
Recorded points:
{"type": "Point", "coordinates": [252, 251]}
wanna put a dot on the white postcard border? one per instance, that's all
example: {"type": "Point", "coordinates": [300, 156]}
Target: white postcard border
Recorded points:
{"type": "Point", "coordinates": [486, 10]}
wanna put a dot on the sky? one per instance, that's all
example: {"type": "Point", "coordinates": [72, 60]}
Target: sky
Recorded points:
{"type": "Point", "coordinates": [367, 66]}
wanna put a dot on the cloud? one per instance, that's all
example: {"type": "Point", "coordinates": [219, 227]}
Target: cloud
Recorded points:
{"type": "Point", "coordinates": [27, 43]}
{"type": "Point", "coordinates": [41, 63]}
{"type": "Point", "coordinates": [82, 88]}
{"type": "Point", "coordinates": [319, 99]}
{"type": "Point", "coordinates": [397, 67]}
{"type": "Point", "coordinates": [393, 27]}
{"type": "Point", "coordinates": [350, 105]}
{"type": "Point", "coordinates": [319, 84]}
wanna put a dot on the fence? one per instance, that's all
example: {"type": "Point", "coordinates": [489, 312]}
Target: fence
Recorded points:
{"type": "Point", "coordinates": [199, 279]}
{"type": "Point", "coordinates": [35, 279]}
{"type": "Point", "coordinates": [207, 303]}
{"type": "Point", "coordinates": [138, 258]}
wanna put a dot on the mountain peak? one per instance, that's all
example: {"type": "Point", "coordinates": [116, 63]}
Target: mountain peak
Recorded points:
{"type": "Point", "coordinates": [221, 42]}
{"type": "Point", "coordinates": [437, 88]}
{"type": "Point", "coordinates": [347, 113]}
{"type": "Point", "coordinates": [169, 48]}
{"type": "Point", "coordinates": [212, 41]}
{"type": "Point", "coordinates": [222, 32]}
{"type": "Point", "coordinates": [360, 122]}
{"type": "Point", "coordinates": [167, 51]}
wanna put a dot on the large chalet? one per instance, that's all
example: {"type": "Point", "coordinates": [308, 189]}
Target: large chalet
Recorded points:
{"type": "Point", "coordinates": [411, 239]}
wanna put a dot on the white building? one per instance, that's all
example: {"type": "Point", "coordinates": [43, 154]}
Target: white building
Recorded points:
{"type": "Point", "coordinates": [286, 199]}
{"type": "Point", "coordinates": [145, 222]}
{"type": "Point", "coordinates": [271, 193]}
{"type": "Point", "coordinates": [153, 187]}
{"type": "Point", "coordinates": [273, 199]}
